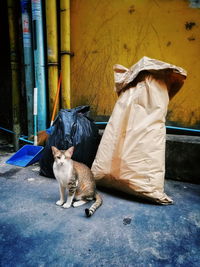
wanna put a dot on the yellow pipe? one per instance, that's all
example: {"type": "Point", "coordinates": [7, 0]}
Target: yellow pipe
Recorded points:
{"type": "Point", "coordinates": [65, 52]}
{"type": "Point", "coordinates": [52, 52]}
{"type": "Point", "coordinates": [12, 21]}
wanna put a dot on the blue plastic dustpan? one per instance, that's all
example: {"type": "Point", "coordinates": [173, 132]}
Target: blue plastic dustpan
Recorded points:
{"type": "Point", "coordinates": [25, 156]}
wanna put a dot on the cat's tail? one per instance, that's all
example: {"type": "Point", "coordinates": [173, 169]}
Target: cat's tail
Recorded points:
{"type": "Point", "coordinates": [89, 212]}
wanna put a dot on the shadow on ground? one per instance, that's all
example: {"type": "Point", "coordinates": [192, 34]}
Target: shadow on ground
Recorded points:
{"type": "Point", "coordinates": [125, 231]}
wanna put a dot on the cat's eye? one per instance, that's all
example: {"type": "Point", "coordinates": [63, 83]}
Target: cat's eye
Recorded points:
{"type": "Point", "coordinates": [58, 157]}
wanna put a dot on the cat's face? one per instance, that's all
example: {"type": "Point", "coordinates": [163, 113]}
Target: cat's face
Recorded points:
{"type": "Point", "coordinates": [61, 157]}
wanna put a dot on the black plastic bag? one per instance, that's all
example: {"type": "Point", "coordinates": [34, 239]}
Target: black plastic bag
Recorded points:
{"type": "Point", "coordinates": [71, 127]}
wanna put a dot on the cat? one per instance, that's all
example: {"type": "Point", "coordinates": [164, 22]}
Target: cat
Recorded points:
{"type": "Point", "coordinates": [77, 178]}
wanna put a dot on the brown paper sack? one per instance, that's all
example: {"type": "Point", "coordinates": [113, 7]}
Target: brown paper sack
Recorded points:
{"type": "Point", "coordinates": [131, 154]}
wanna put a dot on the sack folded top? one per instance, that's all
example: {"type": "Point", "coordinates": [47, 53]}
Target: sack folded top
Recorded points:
{"type": "Point", "coordinates": [172, 75]}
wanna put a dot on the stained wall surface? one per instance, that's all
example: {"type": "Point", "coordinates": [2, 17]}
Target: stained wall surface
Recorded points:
{"type": "Point", "coordinates": [104, 33]}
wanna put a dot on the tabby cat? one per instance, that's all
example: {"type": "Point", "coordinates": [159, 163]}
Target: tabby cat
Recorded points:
{"type": "Point", "coordinates": [77, 178]}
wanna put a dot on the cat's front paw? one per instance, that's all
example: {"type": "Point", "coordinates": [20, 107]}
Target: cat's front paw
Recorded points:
{"type": "Point", "coordinates": [66, 206]}
{"type": "Point", "coordinates": [59, 203]}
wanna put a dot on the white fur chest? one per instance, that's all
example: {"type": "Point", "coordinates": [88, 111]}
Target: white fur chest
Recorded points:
{"type": "Point", "coordinates": [63, 173]}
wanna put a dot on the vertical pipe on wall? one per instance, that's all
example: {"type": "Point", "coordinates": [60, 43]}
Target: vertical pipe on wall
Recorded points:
{"type": "Point", "coordinates": [52, 52]}
{"type": "Point", "coordinates": [14, 59]}
{"type": "Point", "coordinates": [65, 52]}
{"type": "Point", "coordinates": [28, 61]}
{"type": "Point", "coordinates": [39, 62]}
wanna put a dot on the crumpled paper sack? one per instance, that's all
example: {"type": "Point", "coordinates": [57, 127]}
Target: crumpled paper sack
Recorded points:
{"type": "Point", "coordinates": [131, 154]}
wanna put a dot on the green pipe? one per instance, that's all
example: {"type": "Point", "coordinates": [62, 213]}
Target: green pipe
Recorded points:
{"type": "Point", "coordinates": [28, 60]}
{"type": "Point", "coordinates": [39, 62]}
{"type": "Point", "coordinates": [14, 61]}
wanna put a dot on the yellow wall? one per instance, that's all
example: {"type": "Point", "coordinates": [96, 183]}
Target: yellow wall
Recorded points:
{"type": "Point", "coordinates": [105, 32]}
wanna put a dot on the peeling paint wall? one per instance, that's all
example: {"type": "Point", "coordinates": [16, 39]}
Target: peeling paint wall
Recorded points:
{"type": "Point", "coordinates": [107, 32]}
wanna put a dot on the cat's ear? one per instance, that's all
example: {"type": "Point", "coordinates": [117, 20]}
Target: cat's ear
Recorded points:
{"type": "Point", "coordinates": [54, 150]}
{"type": "Point", "coordinates": [69, 152]}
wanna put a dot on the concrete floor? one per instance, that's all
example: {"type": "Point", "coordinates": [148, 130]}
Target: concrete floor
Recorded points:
{"type": "Point", "coordinates": [123, 232]}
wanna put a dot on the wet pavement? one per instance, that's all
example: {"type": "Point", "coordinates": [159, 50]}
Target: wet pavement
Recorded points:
{"type": "Point", "coordinates": [124, 231]}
